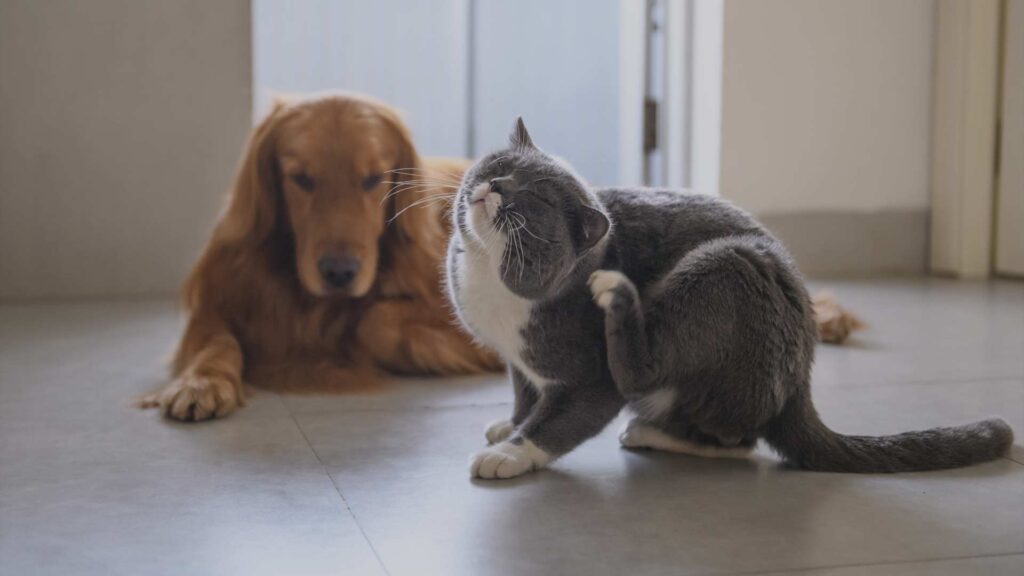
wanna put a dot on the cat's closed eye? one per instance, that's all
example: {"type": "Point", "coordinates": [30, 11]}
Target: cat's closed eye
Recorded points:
{"type": "Point", "coordinates": [542, 197]}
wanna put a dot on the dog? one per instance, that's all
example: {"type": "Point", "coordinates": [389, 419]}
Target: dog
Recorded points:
{"type": "Point", "coordinates": [324, 269]}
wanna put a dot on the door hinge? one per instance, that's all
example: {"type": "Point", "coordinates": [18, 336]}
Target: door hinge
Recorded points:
{"type": "Point", "coordinates": [650, 125]}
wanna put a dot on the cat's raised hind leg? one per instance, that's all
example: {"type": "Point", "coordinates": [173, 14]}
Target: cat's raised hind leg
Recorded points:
{"type": "Point", "coordinates": [629, 353]}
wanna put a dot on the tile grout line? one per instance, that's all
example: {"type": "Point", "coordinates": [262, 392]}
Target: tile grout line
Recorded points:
{"type": "Point", "coordinates": [337, 490]}
{"type": "Point", "coordinates": [1012, 459]}
{"type": "Point", "coordinates": [864, 565]}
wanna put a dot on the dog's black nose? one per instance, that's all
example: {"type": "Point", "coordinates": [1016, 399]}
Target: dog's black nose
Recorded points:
{"type": "Point", "coordinates": [338, 271]}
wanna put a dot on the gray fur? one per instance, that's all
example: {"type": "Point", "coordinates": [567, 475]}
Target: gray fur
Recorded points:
{"type": "Point", "coordinates": [714, 308]}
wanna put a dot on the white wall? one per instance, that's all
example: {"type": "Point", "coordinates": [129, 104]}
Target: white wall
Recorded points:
{"type": "Point", "coordinates": [825, 104]}
{"type": "Point", "coordinates": [121, 122]}
{"type": "Point", "coordinates": [410, 54]}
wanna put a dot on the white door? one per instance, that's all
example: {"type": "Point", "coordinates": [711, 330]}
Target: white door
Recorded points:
{"type": "Point", "coordinates": [1010, 201]}
{"type": "Point", "coordinates": [555, 63]}
{"type": "Point", "coordinates": [462, 70]}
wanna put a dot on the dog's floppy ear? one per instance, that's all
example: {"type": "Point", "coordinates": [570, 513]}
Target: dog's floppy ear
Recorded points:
{"type": "Point", "coordinates": [406, 221]}
{"type": "Point", "coordinates": [254, 201]}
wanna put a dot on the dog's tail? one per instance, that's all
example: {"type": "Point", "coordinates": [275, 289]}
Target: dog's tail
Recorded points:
{"type": "Point", "coordinates": [801, 438]}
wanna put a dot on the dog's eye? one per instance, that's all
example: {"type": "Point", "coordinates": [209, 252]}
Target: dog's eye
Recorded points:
{"type": "Point", "coordinates": [371, 182]}
{"type": "Point", "coordinates": [303, 181]}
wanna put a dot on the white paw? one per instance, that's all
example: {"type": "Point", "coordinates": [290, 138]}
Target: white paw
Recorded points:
{"type": "Point", "coordinates": [507, 460]}
{"type": "Point", "coordinates": [603, 284]}
{"type": "Point", "coordinates": [498, 431]}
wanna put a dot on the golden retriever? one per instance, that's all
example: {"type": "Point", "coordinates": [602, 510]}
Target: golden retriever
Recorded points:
{"type": "Point", "coordinates": [324, 267]}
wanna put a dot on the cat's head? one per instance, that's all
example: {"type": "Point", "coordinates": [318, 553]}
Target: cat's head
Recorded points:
{"type": "Point", "coordinates": [532, 215]}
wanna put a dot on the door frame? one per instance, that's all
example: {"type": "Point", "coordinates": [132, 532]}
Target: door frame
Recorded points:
{"type": "Point", "coordinates": [964, 121]}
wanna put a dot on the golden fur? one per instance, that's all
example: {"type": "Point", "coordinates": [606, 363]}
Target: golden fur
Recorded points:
{"type": "Point", "coordinates": [835, 323]}
{"type": "Point", "coordinates": [258, 309]}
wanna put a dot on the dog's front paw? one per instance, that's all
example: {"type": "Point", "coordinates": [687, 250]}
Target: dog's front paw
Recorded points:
{"type": "Point", "coordinates": [195, 398]}
{"type": "Point", "coordinates": [603, 286]}
{"type": "Point", "coordinates": [507, 460]}
{"type": "Point", "coordinates": [498, 431]}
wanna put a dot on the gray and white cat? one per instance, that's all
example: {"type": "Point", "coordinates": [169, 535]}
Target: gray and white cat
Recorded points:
{"type": "Point", "coordinates": [679, 305]}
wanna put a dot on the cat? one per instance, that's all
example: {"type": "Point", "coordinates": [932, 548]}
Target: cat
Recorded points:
{"type": "Point", "coordinates": [679, 305]}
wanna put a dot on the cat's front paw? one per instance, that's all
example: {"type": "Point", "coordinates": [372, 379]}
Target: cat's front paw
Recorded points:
{"type": "Point", "coordinates": [499, 430]}
{"type": "Point", "coordinates": [507, 460]}
{"type": "Point", "coordinates": [604, 285]}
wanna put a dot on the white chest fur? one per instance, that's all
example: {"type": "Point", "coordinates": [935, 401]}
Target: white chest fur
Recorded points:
{"type": "Point", "coordinates": [495, 315]}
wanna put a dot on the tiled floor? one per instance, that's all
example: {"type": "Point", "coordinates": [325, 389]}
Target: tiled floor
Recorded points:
{"type": "Point", "coordinates": [379, 484]}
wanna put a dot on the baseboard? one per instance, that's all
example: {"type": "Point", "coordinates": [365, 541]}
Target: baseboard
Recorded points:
{"type": "Point", "coordinates": [892, 242]}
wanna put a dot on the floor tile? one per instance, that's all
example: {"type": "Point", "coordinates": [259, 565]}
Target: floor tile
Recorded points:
{"type": "Point", "coordinates": [1012, 565]}
{"type": "Point", "coordinates": [921, 330]}
{"type": "Point", "coordinates": [893, 409]}
{"type": "Point", "coordinates": [410, 393]}
{"type": "Point", "coordinates": [135, 495]}
{"type": "Point", "coordinates": [603, 510]}
{"type": "Point", "coordinates": [90, 485]}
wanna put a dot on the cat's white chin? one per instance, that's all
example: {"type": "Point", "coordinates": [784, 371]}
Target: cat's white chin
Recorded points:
{"type": "Point", "coordinates": [483, 207]}
{"type": "Point", "coordinates": [507, 460]}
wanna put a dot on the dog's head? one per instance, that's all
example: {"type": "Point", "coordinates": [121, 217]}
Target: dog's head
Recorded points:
{"type": "Point", "coordinates": [315, 178]}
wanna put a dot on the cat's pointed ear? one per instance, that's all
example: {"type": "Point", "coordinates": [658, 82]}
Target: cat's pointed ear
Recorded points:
{"type": "Point", "coordinates": [520, 138]}
{"type": "Point", "coordinates": [594, 227]}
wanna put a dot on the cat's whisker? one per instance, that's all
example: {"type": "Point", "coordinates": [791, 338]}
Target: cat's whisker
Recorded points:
{"type": "Point", "coordinates": [423, 178]}
{"type": "Point", "coordinates": [389, 196]}
{"type": "Point", "coordinates": [416, 188]}
{"type": "Point", "coordinates": [522, 255]}
{"type": "Point", "coordinates": [522, 225]}
{"type": "Point", "coordinates": [417, 181]}
{"type": "Point", "coordinates": [420, 171]}
{"type": "Point", "coordinates": [402, 186]}
{"type": "Point", "coordinates": [434, 177]}
{"type": "Point", "coordinates": [505, 253]}
{"type": "Point", "coordinates": [419, 203]}
{"type": "Point", "coordinates": [411, 170]}
{"type": "Point", "coordinates": [413, 178]}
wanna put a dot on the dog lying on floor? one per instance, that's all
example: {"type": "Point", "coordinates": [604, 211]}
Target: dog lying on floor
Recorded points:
{"type": "Point", "coordinates": [325, 266]}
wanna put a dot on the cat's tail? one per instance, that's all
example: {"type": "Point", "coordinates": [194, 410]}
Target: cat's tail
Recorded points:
{"type": "Point", "coordinates": [801, 438]}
